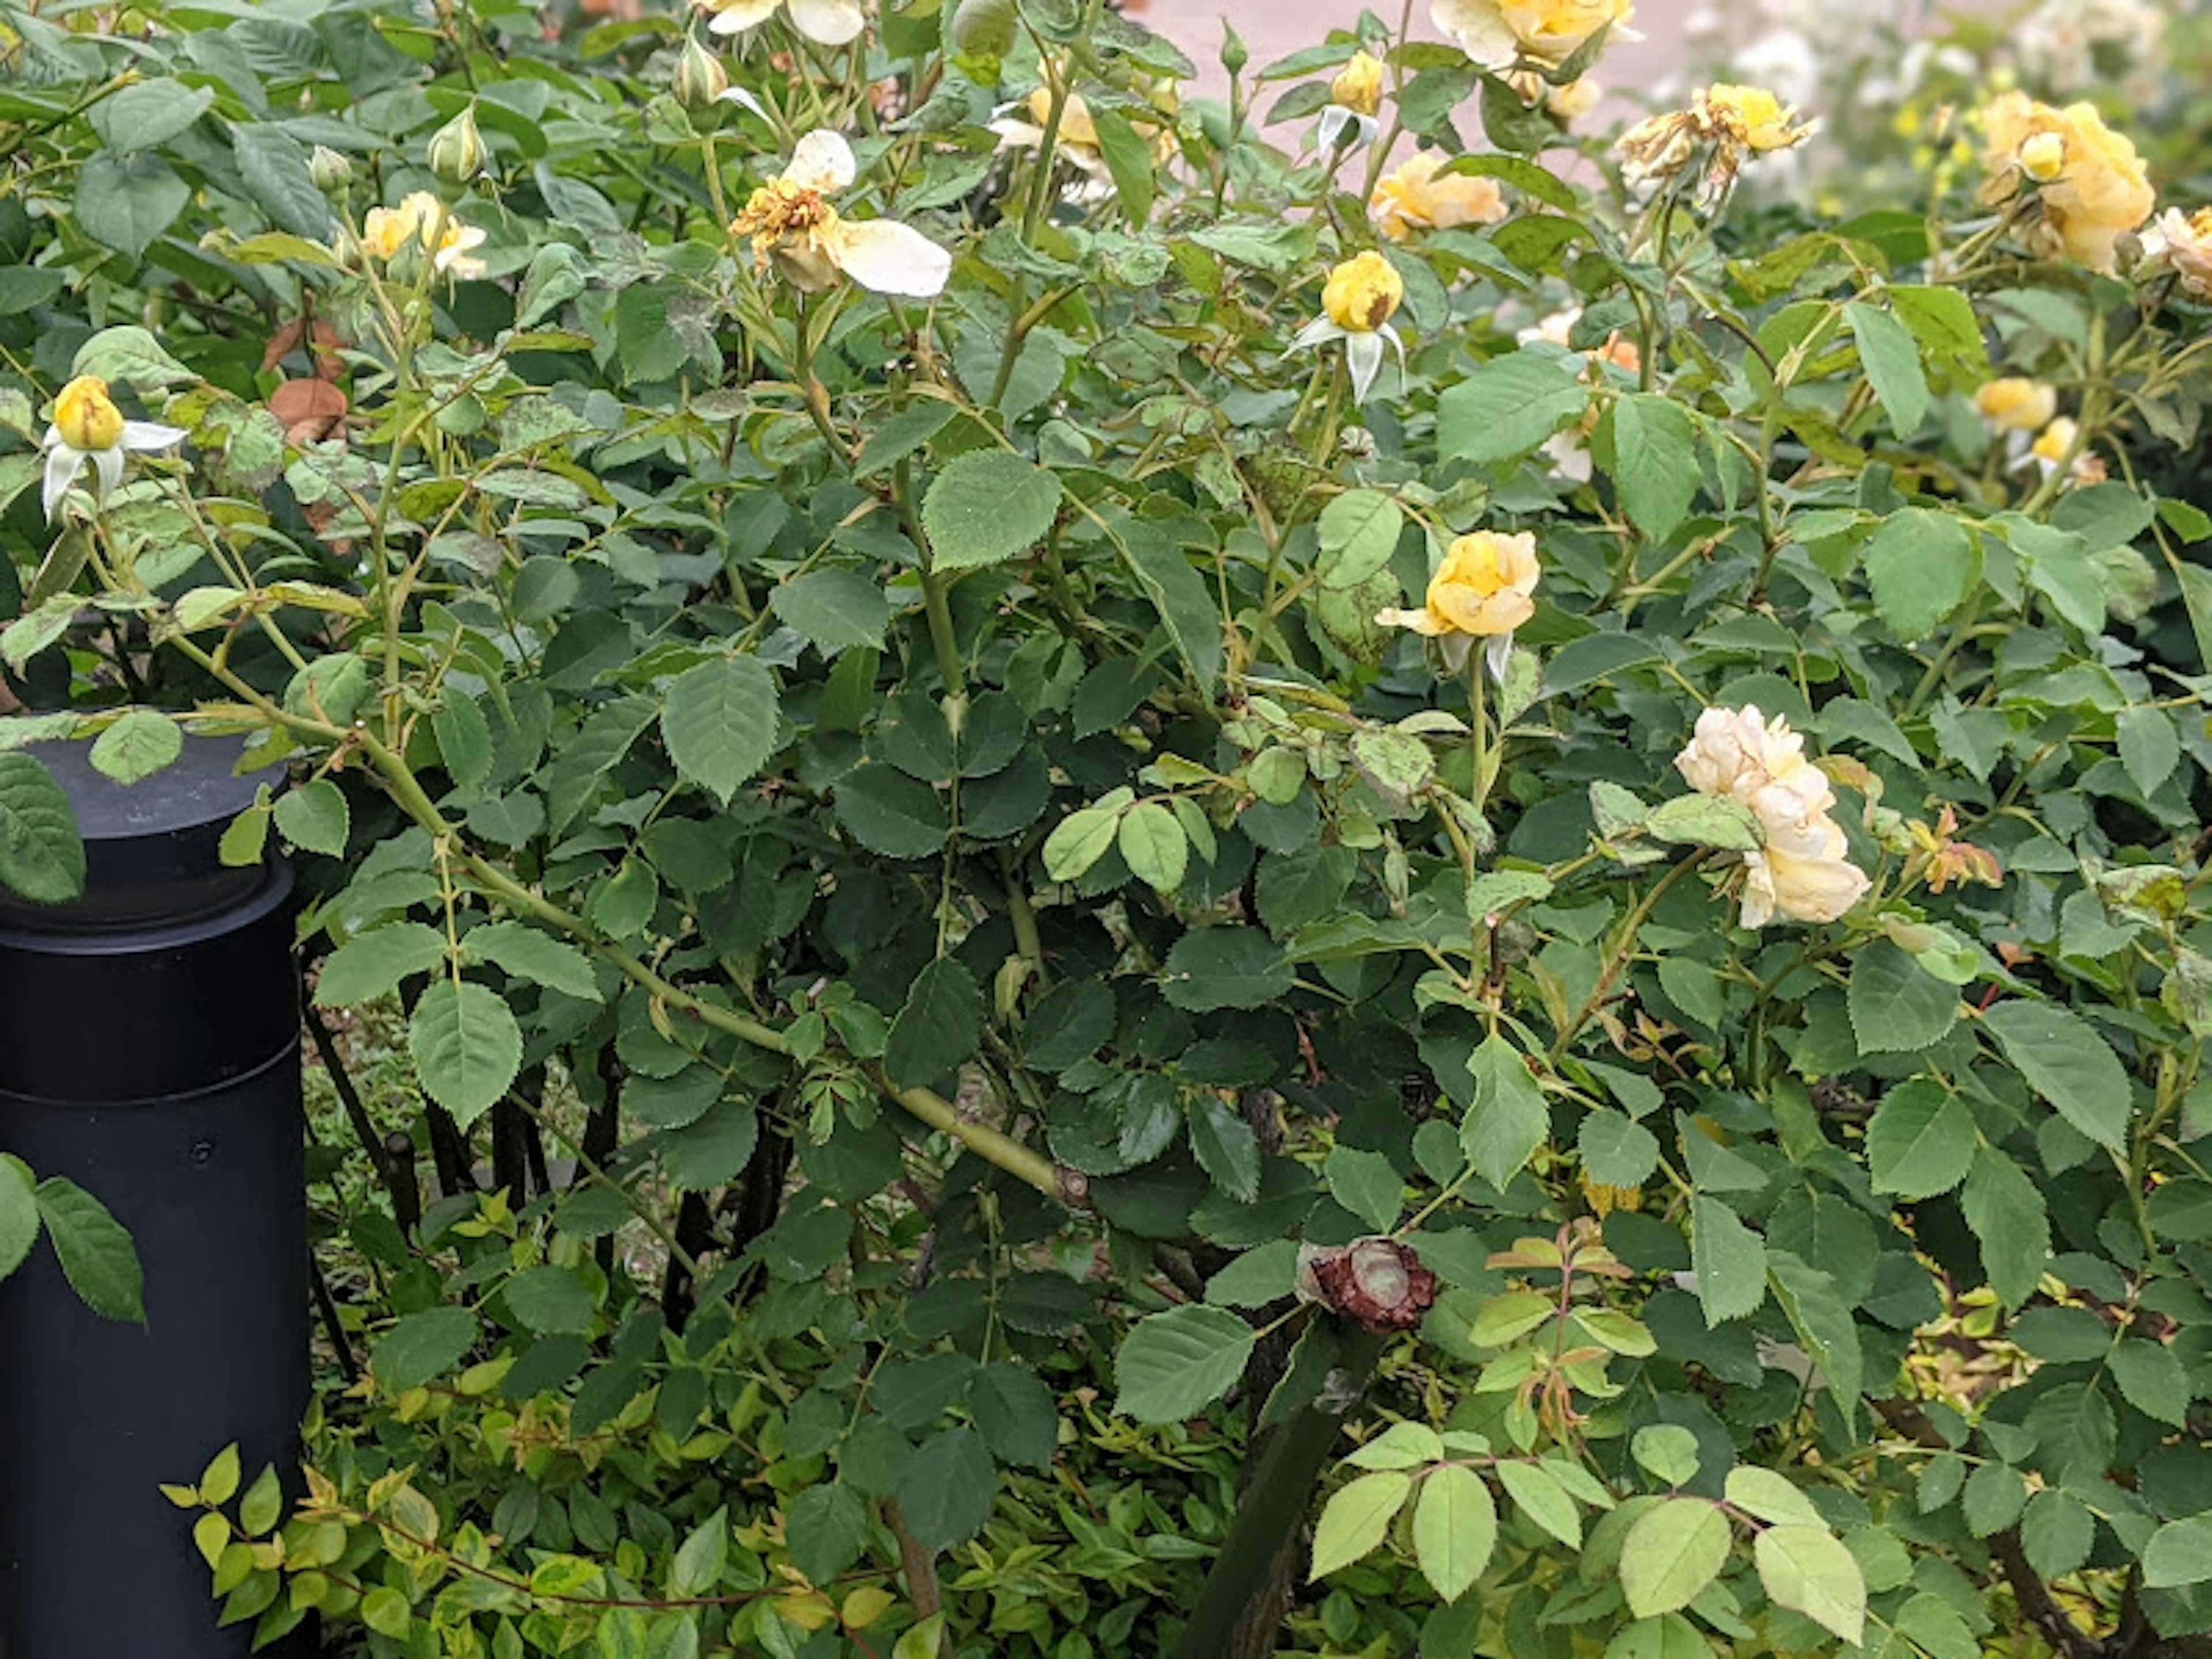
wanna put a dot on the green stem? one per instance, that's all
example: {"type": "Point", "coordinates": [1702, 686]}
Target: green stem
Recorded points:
{"type": "Point", "coordinates": [1276, 1504]}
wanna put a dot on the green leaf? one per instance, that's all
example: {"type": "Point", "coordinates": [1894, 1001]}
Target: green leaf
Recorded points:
{"type": "Point", "coordinates": [274, 165]}
{"type": "Point", "coordinates": [19, 1214]}
{"type": "Point", "coordinates": [890, 813]}
{"type": "Point", "coordinates": [1080, 841]}
{"type": "Point", "coordinates": [1542, 1500]}
{"type": "Point", "coordinates": [1153, 845]}
{"type": "Point", "coordinates": [315, 816]}
{"type": "Point", "coordinates": [1809, 1570]}
{"type": "Point", "coordinates": [125, 202]}
{"type": "Point", "coordinates": [1675, 1549]}
{"type": "Point", "coordinates": [1356, 1517]}
{"type": "Point", "coordinates": [467, 1046]}
{"type": "Point", "coordinates": [1942, 320]}
{"type": "Point", "coordinates": [836, 610]}
{"type": "Point", "coordinates": [1401, 1446]}
{"type": "Point", "coordinates": [2178, 1553]}
{"type": "Point", "coordinates": [1728, 1259]}
{"type": "Point", "coordinates": [1995, 1495]}
{"type": "Point", "coordinates": [1896, 1006]}
{"type": "Point", "coordinates": [827, 1529]}
{"type": "Point", "coordinates": [939, 1026]}
{"type": "Point", "coordinates": [697, 1568]}
{"type": "Point", "coordinates": [1921, 565]}
{"type": "Point", "coordinates": [1821, 1317]}
{"type": "Point", "coordinates": [1225, 1146]}
{"type": "Point", "coordinates": [1718, 821]}
{"type": "Point", "coordinates": [1921, 1140]}
{"type": "Point", "coordinates": [945, 1492]}
{"type": "Point", "coordinates": [549, 1299]}
{"type": "Point", "coordinates": [421, 1346]}
{"type": "Point", "coordinates": [147, 115]}
{"type": "Point", "coordinates": [2007, 1213]}
{"type": "Point", "coordinates": [1671, 1636]}
{"type": "Point", "coordinates": [720, 723]}
{"type": "Point", "coordinates": [96, 1255]}
{"type": "Point", "coordinates": [2153, 1379]}
{"type": "Point", "coordinates": [986, 506]}
{"type": "Point", "coordinates": [219, 1481]}
{"type": "Point", "coordinates": [137, 746]}
{"type": "Point", "coordinates": [1510, 405]}
{"type": "Point", "coordinates": [1769, 1495]}
{"type": "Point", "coordinates": [1455, 1529]}
{"type": "Point", "coordinates": [1226, 967]}
{"type": "Point", "coordinates": [464, 739]}
{"type": "Point", "coordinates": [1129, 157]}
{"type": "Point", "coordinates": [1368, 1184]}
{"type": "Point", "coordinates": [1359, 531]}
{"type": "Point", "coordinates": [1175, 1363]}
{"type": "Point", "coordinates": [1667, 1451]}
{"type": "Point", "coordinates": [2149, 747]}
{"type": "Point", "coordinates": [2068, 1063]}
{"type": "Point", "coordinates": [1891, 358]}
{"type": "Point", "coordinates": [1016, 1413]}
{"type": "Point", "coordinates": [370, 964]}
{"type": "Point", "coordinates": [263, 1506]}
{"type": "Point", "coordinates": [40, 857]}
{"type": "Point", "coordinates": [1655, 462]}
{"type": "Point", "coordinates": [2056, 1533]}
{"type": "Point", "coordinates": [1616, 1149]}
{"type": "Point", "coordinates": [525, 952]}
{"type": "Point", "coordinates": [1509, 1120]}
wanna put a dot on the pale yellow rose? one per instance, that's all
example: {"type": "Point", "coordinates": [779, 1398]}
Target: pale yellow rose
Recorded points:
{"type": "Point", "coordinates": [1481, 589]}
{"type": "Point", "coordinates": [1740, 753]}
{"type": "Point", "coordinates": [1755, 117]}
{"type": "Point", "coordinates": [1803, 876]}
{"type": "Point", "coordinates": [2015, 403]}
{"type": "Point", "coordinates": [1801, 871]}
{"type": "Point", "coordinates": [1498, 33]}
{"type": "Point", "coordinates": [1418, 195]}
{"type": "Point", "coordinates": [2056, 442]}
{"type": "Point", "coordinates": [1361, 293]}
{"type": "Point", "coordinates": [2091, 187]}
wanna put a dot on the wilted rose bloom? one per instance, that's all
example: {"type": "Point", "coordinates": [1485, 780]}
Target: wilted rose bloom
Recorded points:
{"type": "Point", "coordinates": [1498, 33]}
{"type": "Point", "coordinates": [2016, 404]}
{"type": "Point", "coordinates": [1739, 752]}
{"type": "Point", "coordinates": [1378, 1284]}
{"type": "Point", "coordinates": [2182, 243]}
{"type": "Point", "coordinates": [1724, 128]}
{"type": "Point", "coordinates": [1755, 117]}
{"type": "Point", "coordinates": [1419, 194]}
{"type": "Point", "coordinates": [829, 22]}
{"type": "Point", "coordinates": [788, 221]}
{"type": "Point", "coordinates": [2090, 186]}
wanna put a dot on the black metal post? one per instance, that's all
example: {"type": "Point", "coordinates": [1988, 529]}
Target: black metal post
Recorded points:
{"type": "Point", "coordinates": [149, 1050]}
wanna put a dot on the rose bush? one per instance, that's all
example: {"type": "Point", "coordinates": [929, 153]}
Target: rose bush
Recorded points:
{"type": "Point", "coordinates": [874, 616]}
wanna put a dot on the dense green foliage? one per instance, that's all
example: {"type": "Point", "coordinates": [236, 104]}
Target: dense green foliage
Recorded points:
{"type": "Point", "coordinates": [939, 937]}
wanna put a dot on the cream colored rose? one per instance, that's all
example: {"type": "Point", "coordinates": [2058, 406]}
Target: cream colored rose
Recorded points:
{"type": "Point", "coordinates": [1498, 33]}
{"type": "Point", "coordinates": [1413, 196]}
{"type": "Point", "coordinates": [1802, 871]}
{"type": "Point", "coordinates": [2182, 243]}
{"type": "Point", "coordinates": [1740, 753]}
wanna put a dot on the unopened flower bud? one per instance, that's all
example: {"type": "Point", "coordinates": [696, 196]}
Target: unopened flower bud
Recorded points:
{"type": "Point", "coordinates": [700, 78]}
{"type": "Point", "coordinates": [458, 153]}
{"type": "Point", "coordinates": [2043, 157]}
{"type": "Point", "coordinates": [329, 170]}
{"type": "Point", "coordinates": [1235, 54]}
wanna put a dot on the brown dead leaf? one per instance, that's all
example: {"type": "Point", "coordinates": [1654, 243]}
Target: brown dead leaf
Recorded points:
{"type": "Point", "coordinates": [311, 411]}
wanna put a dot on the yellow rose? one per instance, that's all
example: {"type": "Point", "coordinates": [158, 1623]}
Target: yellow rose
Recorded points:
{"type": "Point", "coordinates": [1801, 872]}
{"type": "Point", "coordinates": [87, 417]}
{"type": "Point", "coordinates": [1358, 85]}
{"type": "Point", "coordinates": [2092, 188]}
{"type": "Point", "coordinates": [2016, 404]}
{"type": "Point", "coordinates": [2056, 442]}
{"type": "Point", "coordinates": [1755, 117]}
{"type": "Point", "coordinates": [1482, 588]}
{"type": "Point", "coordinates": [1496, 33]}
{"type": "Point", "coordinates": [1413, 196]}
{"type": "Point", "coordinates": [1361, 293]}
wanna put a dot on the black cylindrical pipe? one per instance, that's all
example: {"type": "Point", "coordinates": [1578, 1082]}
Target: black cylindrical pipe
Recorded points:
{"type": "Point", "coordinates": [149, 1052]}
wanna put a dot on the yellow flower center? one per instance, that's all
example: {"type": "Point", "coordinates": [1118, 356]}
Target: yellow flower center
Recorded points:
{"type": "Point", "coordinates": [1359, 85]}
{"type": "Point", "coordinates": [1361, 293]}
{"type": "Point", "coordinates": [779, 211]}
{"type": "Point", "coordinates": [87, 416]}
